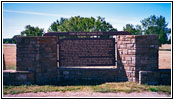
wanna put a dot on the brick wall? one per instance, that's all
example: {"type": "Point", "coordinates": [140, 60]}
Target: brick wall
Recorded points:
{"type": "Point", "coordinates": [38, 55]}
{"type": "Point", "coordinates": [137, 53]}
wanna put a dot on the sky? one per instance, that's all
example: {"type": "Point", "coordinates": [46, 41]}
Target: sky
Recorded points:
{"type": "Point", "coordinates": [17, 15]}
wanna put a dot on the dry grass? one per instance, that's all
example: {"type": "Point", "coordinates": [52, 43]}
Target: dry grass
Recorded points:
{"type": "Point", "coordinates": [11, 67]}
{"type": "Point", "coordinates": [106, 87]}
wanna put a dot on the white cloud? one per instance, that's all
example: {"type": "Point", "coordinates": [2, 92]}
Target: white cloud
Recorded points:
{"type": "Point", "coordinates": [36, 13]}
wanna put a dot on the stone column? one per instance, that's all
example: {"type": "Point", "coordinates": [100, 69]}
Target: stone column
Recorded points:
{"type": "Point", "coordinates": [38, 55]}
{"type": "Point", "coordinates": [126, 56]}
{"type": "Point", "coordinates": [137, 53]}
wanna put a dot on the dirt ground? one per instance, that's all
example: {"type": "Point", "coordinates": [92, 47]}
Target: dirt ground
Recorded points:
{"type": "Point", "coordinates": [9, 51]}
{"type": "Point", "coordinates": [164, 59]}
{"type": "Point", "coordinates": [90, 94]}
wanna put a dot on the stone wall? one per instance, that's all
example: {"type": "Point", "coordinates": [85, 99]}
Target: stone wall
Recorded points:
{"type": "Point", "coordinates": [137, 53]}
{"type": "Point", "coordinates": [88, 74]}
{"type": "Point", "coordinates": [134, 53]}
{"type": "Point", "coordinates": [146, 53]}
{"type": "Point", "coordinates": [38, 55]}
{"type": "Point", "coordinates": [13, 77]}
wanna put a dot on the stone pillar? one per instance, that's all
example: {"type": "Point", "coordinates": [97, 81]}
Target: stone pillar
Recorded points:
{"type": "Point", "coordinates": [126, 48]}
{"type": "Point", "coordinates": [146, 53]}
{"type": "Point", "coordinates": [38, 55]}
{"type": "Point", "coordinates": [47, 70]}
{"type": "Point", "coordinates": [27, 53]}
{"type": "Point", "coordinates": [136, 53]}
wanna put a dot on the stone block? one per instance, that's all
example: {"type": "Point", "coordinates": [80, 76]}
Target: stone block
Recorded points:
{"type": "Point", "coordinates": [127, 58]}
{"type": "Point", "coordinates": [130, 46]}
{"type": "Point", "coordinates": [132, 52]}
{"type": "Point", "coordinates": [123, 46]}
{"type": "Point", "coordinates": [21, 77]}
{"type": "Point", "coordinates": [125, 51]}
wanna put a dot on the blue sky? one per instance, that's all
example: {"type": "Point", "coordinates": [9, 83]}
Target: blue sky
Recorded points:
{"type": "Point", "coordinates": [17, 15]}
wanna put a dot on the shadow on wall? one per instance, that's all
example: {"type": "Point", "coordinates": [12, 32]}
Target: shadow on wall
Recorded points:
{"type": "Point", "coordinates": [92, 76]}
{"type": "Point", "coordinates": [83, 76]}
{"type": "Point", "coordinates": [121, 70]}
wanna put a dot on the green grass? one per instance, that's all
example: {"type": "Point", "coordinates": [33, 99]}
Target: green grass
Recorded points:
{"type": "Point", "coordinates": [106, 87]}
{"type": "Point", "coordinates": [11, 67]}
{"type": "Point", "coordinates": [161, 88]}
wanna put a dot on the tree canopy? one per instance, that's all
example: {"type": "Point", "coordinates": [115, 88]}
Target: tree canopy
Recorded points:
{"type": "Point", "coordinates": [81, 24]}
{"type": "Point", "coordinates": [156, 25]}
{"type": "Point", "coordinates": [151, 25]}
{"type": "Point", "coordinates": [32, 31]}
{"type": "Point", "coordinates": [137, 30]}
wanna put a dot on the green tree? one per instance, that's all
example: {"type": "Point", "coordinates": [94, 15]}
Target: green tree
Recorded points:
{"type": "Point", "coordinates": [32, 31]}
{"type": "Point", "coordinates": [156, 25]}
{"type": "Point", "coordinates": [14, 38]}
{"type": "Point", "coordinates": [54, 25]}
{"type": "Point", "coordinates": [81, 24]}
{"type": "Point", "coordinates": [137, 30]}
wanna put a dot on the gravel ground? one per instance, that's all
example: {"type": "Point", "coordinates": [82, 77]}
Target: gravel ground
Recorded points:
{"type": "Point", "coordinates": [89, 94]}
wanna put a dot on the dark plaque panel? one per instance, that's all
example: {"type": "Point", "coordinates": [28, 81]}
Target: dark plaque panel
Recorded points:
{"type": "Point", "coordinates": [87, 52]}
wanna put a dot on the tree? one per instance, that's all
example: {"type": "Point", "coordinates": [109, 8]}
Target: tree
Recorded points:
{"type": "Point", "coordinates": [10, 40]}
{"type": "Point", "coordinates": [81, 24]}
{"type": "Point", "coordinates": [54, 25]}
{"type": "Point", "coordinates": [32, 31]}
{"type": "Point", "coordinates": [133, 30]}
{"type": "Point", "coordinates": [156, 25]}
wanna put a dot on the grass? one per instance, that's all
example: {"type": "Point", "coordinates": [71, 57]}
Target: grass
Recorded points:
{"type": "Point", "coordinates": [165, 89]}
{"type": "Point", "coordinates": [36, 88]}
{"type": "Point", "coordinates": [104, 88]}
{"type": "Point", "coordinates": [130, 87]}
{"type": "Point", "coordinates": [11, 67]}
